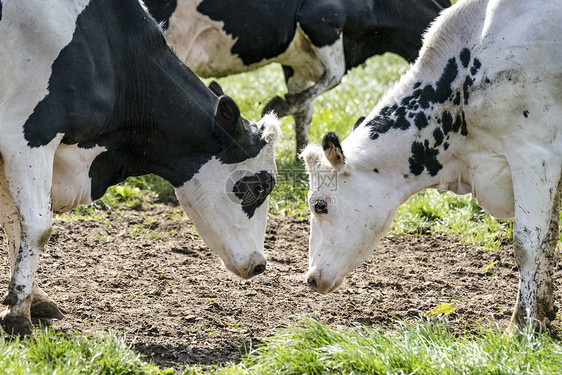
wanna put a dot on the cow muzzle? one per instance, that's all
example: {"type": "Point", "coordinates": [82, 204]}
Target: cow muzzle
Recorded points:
{"type": "Point", "coordinates": [320, 284]}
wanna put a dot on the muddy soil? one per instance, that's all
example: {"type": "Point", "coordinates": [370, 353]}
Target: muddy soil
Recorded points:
{"type": "Point", "coordinates": [144, 273]}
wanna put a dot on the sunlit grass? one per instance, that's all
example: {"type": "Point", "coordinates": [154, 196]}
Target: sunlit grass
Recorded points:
{"type": "Point", "coordinates": [49, 352]}
{"type": "Point", "coordinates": [423, 347]}
{"type": "Point", "coordinates": [444, 212]}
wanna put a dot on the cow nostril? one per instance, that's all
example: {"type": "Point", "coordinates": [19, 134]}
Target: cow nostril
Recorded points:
{"type": "Point", "coordinates": [260, 268]}
{"type": "Point", "coordinates": [311, 282]}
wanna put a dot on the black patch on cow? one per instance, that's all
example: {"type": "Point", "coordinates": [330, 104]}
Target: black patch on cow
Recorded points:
{"type": "Point", "coordinates": [464, 129]}
{"type": "Point", "coordinates": [161, 10]}
{"type": "Point", "coordinates": [253, 191]}
{"type": "Point", "coordinates": [420, 120]}
{"type": "Point", "coordinates": [464, 57]}
{"type": "Point", "coordinates": [322, 21]}
{"type": "Point", "coordinates": [438, 136]}
{"type": "Point", "coordinates": [476, 64]}
{"type": "Point", "coordinates": [526, 113]}
{"type": "Point", "coordinates": [443, 86]}
{"type": "Point", "coordinates": [0, 10]}
{"type": "Point", "coordinates": [118, 85]}
{"type": "Point", "coordinates": [376, 27]}
{"type": "Point", "coordinates": [447, 121]}
{"type": "Point", "coordinates": [424, 157]}
{"type": "Point", "coordinates": [397, 117]}
{"type": "Point", "coordinates": [457, 99]}
{"type": "Point", "coordinates": [288, 72]}
{"type": "Point", "coordinates": [468, 82]}
{"type": "Point", "coordinates": [261, 29]}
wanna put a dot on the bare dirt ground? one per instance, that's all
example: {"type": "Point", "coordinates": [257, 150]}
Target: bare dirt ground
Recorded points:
{"type": "Point", "coordinates": [144, 273]}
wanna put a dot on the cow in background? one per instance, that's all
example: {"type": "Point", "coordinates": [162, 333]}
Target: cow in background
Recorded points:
{"type": "Point", "coordinates": [90, 93]}
{"type": "Point", "coordinates": [315, 41]}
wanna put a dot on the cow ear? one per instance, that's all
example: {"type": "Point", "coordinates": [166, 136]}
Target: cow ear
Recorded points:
{"type": "Point", "coordinates": [332, 150]}
{"type": "Point", "coordinates": [358, 122]}
{"type": "Point", "coordinates": [216, 88]}
{"type": "Point", "coordinates": [227, 117]}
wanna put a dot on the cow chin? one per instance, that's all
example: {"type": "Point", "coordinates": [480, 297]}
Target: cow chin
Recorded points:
{"type": "Point", "coordinates": [246, 269]}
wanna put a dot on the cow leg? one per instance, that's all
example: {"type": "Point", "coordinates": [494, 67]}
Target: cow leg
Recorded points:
{"type": "Point", "coordinates": [29, 179]}
{"type": "Point", "coordinates": [303, 118]}
{"type": "Point", "coordinates": [537, 211]}
{"type": "Point", "coordinates": [278, 104]}
{"type": "Point", "coordinates": [301, 102]}
{"type": "Point", "coordinates": [41, 306]}
{"type": "Point", "coordinates": [301, 110]}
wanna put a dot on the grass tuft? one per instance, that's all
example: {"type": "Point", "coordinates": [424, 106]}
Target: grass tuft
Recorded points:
{"type": "Point", "coordinates": [424, 347]}
{"type": "Point", "coordinates": [50, 352]}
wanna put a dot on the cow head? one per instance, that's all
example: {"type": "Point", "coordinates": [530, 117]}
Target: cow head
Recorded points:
{"type": "Point", "coordinates": [227, 199]}
{"type": "Point", "coordinates": [351, 211]}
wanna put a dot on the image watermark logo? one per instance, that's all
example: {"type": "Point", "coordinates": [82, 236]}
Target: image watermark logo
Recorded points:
{"type": "Point", "coordinates": [325, 179]}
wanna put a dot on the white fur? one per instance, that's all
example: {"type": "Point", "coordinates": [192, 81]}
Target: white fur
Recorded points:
{"type": "Point", "coordinates": [217, 214]}
{"type": "Point", "coordinates": [509, 162]}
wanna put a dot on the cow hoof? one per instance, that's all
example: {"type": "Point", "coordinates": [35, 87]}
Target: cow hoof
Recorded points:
{"type": "Point", "coordinates": [277, 105]}
{"type": "Point", "coordinates": [46, 310]}
{"type": "Point", "coordinates": [16, 325]}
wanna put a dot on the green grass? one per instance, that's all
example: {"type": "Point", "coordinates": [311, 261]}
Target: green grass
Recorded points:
{"type": "Point", "coordinates": [425, 347]}
{"type": "Point", "coordinates": [434, 211]}
{"type": "Point", "coordinates": [310, 347]}
{"type": "Point", "coordinates": [65, 354]}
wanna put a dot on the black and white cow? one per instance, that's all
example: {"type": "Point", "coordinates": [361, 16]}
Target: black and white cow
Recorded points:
{"type": "Point", "coordinates": [90, 93]}
{"type": "Point", "coordinates": [316, 41]}
{"type": "Point", "coordinates": [479, 112]}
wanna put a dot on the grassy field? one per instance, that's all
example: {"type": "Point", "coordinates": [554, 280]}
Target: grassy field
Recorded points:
{"type": "Point", "coordinates": [311, 347]}
{"type": "Point", "coordinates": [314, 347]}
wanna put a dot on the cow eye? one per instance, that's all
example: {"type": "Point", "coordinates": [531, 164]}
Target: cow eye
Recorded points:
{"type": "Point", "coordinates": [320, 207]}
{"type": "Point", "coordinates": [260, 188]}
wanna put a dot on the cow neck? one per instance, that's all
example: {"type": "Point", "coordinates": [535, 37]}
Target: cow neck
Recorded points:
{"type": "Point", "coordinates": [117, 85]}
{"type": "Point", "coordinates": [163, 116]}
{"type": "Point", "coordinates": [419, 136]}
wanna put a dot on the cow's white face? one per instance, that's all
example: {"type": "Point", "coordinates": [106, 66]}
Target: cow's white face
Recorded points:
{"type": "Point", "coordinates": [350, 212]}
{"type": "Point", "coordinates": [228, 204]}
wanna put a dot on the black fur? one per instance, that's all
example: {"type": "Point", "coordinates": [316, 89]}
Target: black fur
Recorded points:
{"type": "Point", "coordinates": [118, 85]}
{"type": "Point", "coordinates": [260, 28]}
{"type": "Point", "coordinates": [264, 29]}
{"type": "Point", "coordinates": [161, 10]}
{"type": "Point", "coordinates": [253, 190]}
